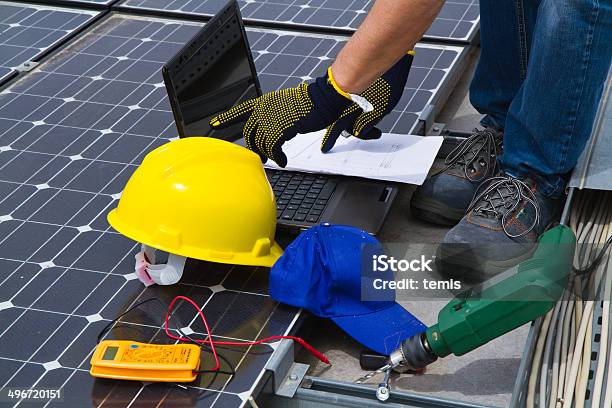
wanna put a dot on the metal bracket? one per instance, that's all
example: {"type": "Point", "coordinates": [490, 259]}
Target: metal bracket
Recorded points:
{"type": "Point", "coordinates": [426, 120]}
{"type": "Point", "coordinates": [437, 129]}
{"type": "Point", "coordinates": [27, 66]}
{"type": "Point", "coordinates": [286, 374]}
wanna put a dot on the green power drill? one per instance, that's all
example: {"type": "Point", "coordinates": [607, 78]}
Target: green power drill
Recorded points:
{"type": "Point", "coordinates": [492, 309]}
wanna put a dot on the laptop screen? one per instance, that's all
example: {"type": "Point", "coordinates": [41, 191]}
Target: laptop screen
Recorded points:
{"type": "Point", "coordinates": [213, 72]}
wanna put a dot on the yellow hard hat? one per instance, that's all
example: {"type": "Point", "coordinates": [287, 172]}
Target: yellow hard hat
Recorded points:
{"type": "Point", "coordinates": [201, 198]}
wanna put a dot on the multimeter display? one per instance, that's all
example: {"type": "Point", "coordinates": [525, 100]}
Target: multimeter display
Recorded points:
{"type": "Point", "coordinates": [110, 353]}
{"type": "Point", "coordinates": [129, 360]}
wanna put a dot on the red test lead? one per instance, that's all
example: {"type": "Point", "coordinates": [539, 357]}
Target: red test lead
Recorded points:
{"type": "Point", "coordinates": [212, 343]}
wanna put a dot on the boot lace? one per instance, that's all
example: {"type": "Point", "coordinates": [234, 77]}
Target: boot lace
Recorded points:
{"type": "Point", "coordinates": [480, 147]}
{"type": "Point", "coordinates": [500, 198]}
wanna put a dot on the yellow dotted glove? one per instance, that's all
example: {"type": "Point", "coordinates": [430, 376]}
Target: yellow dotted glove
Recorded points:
{"type": "Point", "coordinates": [383, 95]}
{"type": "Point", "coordinates": [278, 116]}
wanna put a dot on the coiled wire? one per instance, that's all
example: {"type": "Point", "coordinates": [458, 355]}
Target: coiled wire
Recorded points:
{"type": "Point", "coordinates": [562, 357]}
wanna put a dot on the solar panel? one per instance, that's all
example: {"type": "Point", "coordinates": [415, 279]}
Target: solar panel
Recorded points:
{"type": "Point", "coordinates": [27, 32]}
{"type": "Point", "coordinates": [71, 133]}
{"type": "Point", "coordinates": [98, 3]}
{"type": "Point", "coordinates": [458, 21]}
{"type": "Point", "coordinates": [6, 73]}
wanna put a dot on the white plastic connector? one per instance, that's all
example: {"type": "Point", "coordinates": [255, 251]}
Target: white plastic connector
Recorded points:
{"type": "Point", "coordinates": [149, 273]}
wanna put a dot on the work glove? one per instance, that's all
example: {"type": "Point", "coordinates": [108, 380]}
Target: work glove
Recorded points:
{"type": "Point", "coordinates": [276, 117]}
{"type": "Point", "coordinates": [383, 94]}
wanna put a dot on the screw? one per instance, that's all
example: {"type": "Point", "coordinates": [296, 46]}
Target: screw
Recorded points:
{"type": "Point", "coordinates": [382, 394]}
{"type": "Point", "coordinates": [293, 377]}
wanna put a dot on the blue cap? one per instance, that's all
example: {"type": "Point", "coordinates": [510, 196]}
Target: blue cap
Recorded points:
{"type": "Point", "coordinates": [321, 271]}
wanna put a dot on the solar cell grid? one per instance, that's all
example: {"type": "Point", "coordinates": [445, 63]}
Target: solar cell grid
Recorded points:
{"type": "Point", "coordinates": [76, 3]}
{"type": "Point", "coordinates": [71, 133]}
{"type": "Point", "coordinates": [458, 20]}
{"type": "Point", "coordinates": [90, 115]}
{"type": "Point", "coordinates": [29, 31]}
{"type": "Point", "coordinates": [5, 74]}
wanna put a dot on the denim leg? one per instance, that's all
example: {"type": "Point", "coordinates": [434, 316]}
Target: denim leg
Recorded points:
{"type": "Point", "coordinates": [506, 31]}
{"type": "Point", "coordinates": [551, 117]}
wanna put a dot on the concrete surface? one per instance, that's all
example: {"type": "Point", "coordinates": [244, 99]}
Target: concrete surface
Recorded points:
{"type": "Point", "coordinates": [485, 376]}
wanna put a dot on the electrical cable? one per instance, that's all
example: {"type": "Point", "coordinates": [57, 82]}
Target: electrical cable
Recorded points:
{"type": "Point", "coordinates": [208, 344]}
{"type": "Point", "coordinates": [545, 362]}
{"type": "Point", "coordinates": [560, 317]}
{"type": "Point", "coordinates": [603, 343]}
{"type": "Point", "coordinates": [137, 305]}
{"type": "Point", "coordinates": [561, 363]}
{"type": "Point", "coordinates": [608, 389]}
{"type": "Point", "coordinates": [574, 318]}
{"type": "Point", "coordinates": [591, 285]}
{"type": "Point", "coordinates": [559, 314]}
{"type": "Point", "coordinates": [537, 357]}
{"type": "Point", "coordinates": [555, 357]}
{"type": "Point", "coordinates": [594, 234]}
{"type": "Point", "coordinates": [577, 385]}
{"type": "Point", "coordinates": [595, 263]}
{"type": "Point", "coordinates": [583, 378]}
{"type": "Point", "coordinates": [212, 343]}
{"type": "Point", "coordinates": [576, 361]}
{"type": "Point", "coordinates": [600, 369]}
{"type": "Point", "coordinates": [106, 328]}
{"type": "Point", "coordinates": [567, 344]}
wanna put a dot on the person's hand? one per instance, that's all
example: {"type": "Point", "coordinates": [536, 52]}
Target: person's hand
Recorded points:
{"type": "Point", "coordinates": [383, 94]}
{"type": "Point", "coordinates": [278, 116]}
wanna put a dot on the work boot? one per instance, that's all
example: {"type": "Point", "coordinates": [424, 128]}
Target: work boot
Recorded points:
{"type": "Point", "coordinates": [499, 230]}
{"type": "Point", "coordinates": [444, 196]}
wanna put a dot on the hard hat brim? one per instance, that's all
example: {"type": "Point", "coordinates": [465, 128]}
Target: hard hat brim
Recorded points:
{"type": "Point", "coordinates": [245, 258]}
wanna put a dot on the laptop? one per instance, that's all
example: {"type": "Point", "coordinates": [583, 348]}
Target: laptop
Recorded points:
{"type": "Point", "coordinates": [215, 71]}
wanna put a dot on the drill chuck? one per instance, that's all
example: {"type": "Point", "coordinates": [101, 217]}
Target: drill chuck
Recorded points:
{"type": "Point", "coordinates": [415, 352]}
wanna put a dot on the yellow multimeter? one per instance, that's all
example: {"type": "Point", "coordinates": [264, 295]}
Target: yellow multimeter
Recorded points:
{"type": "Point", "coordinates": [129, 360]}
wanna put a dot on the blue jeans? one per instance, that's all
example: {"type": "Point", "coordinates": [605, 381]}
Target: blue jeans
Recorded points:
{"type": "Point", "coordinates": [540, 77]}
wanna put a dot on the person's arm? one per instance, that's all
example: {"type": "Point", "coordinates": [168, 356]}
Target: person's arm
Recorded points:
{"type": "Point", "coordinates": [391, 28]}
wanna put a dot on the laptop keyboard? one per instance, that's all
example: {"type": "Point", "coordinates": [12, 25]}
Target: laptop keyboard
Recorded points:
{"type": "Point", "coordinates": [300, 197]}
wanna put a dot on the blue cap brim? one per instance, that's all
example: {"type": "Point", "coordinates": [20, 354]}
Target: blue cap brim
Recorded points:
{"type": "Point", "coordinates": [381, 331]}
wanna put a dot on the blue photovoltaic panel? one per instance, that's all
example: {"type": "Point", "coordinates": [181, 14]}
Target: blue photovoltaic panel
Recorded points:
{"type": "Point", "coordinates": [29, 31]}
{"type": "Point", "coordinates": [5, 73]}
{"type": "Point", "coordinates": [71, 133]}
{"type": "Point", "coordinates": [458, 20]}
{"type": "Point", "coordinates": [100, 3]}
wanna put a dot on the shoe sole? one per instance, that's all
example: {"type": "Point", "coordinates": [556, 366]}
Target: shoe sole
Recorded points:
{"type": "Point", "coordinates": [474, 269]}
{"type": "Point", "coordinates": [435, 212]}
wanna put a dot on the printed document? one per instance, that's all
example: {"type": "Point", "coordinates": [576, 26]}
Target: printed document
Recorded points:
{"type": "Point", "coordinates": [393, 157]}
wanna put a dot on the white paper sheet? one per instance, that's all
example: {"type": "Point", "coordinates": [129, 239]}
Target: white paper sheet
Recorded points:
{"type": "Point", "coordinates": [394, 157]}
